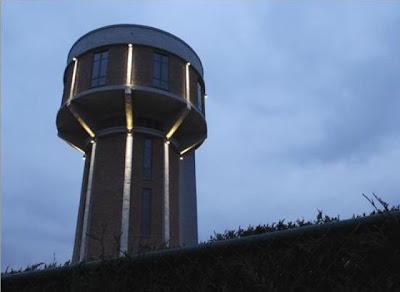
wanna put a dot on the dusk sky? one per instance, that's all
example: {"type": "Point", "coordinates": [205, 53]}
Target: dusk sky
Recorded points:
{"type": "Point", "coordinates": [303, 112]}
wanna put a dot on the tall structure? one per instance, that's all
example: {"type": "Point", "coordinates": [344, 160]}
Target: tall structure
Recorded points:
{"type": "Point", "coordinates": [133, 103]}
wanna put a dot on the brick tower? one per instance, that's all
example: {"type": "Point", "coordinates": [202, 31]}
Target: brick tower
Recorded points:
{"type": "Point", "coordinates": [133, 103]}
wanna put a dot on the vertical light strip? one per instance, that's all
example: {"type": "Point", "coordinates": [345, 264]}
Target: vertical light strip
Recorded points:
{"type": "Point", "coordinates": [177, 124]}
{"type": "Point", "coordinates": [74, 146]}
{"type": "Point", "coordinates": [126, 197]}
{"type": "Point", "coordinates": [85, 126]}
{"type": "Point", "coordinates": [188, 149]}
{"type": "Point", "coordinates": [71, 91]}
{"type": "Point", "coordinates": [192, 146]}
{"type": "Point", "coordinates": [83, 248]}
{"type": "Point", "coordinates": [128, 109]}
{"type": "Point", "coordinates": [129, 66]}
{"type": "Point", "coordinates": [81, 122]}
{"type": "Point", "coordinates": [166, 235]}
{"type": "Point", "coordinates": [187, 82]}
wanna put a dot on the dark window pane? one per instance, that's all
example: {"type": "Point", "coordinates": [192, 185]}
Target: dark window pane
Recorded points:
{"type": "Point", "coordinates": [165, 72]}
{"type": "Point", "coordinates": [146, 212]}
{"type": "Point", "coordinates": [94, 82]}
{"type": "Point", "coordinates": [99, 69]}
{"type": "Point", "coordinates": [156, 70]}
{"type": "Point", "coordinates": [103, 67]}
{"type": "Point", "coordinates": [157, 58]}
{"type": "Point", "coordinates": [147, 143]}
{"type": "Point", "coordinates": [160, 71]}
{"type": "Point", "coordinates": [95, 70]}
{"type": "Point", "coordinates": [102, 81]}
{"type": "Point", "coordinates": [156, 82]}
{"type": "Point", "coordinates": [147, 155]}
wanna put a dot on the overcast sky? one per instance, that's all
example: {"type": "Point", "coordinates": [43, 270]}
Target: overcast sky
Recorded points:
{"type": "Point", "coordinates": [303, 112]}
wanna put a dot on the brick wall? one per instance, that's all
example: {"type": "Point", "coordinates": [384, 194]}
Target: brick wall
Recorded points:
{"type": "Point", "coordinates": [106, 198]}
{"type": "Point", "coordinates": [174, 195]}
{"type": "Point", "coordinates": [155, 185]}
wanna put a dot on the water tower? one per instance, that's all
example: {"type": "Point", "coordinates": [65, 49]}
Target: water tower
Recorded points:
{"type": "Point", "coordinates": [133, 104]}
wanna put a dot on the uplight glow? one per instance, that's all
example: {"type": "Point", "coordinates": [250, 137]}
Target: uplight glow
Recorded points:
{"type": "Point", "coordinates": [71, 91]}
{"type": "Point", "coordinates": [85, 126]}
{"type": "Point", "coordinates": [166, 227]}
{"type": "Point", "coordinates": [82, 122]}
{"type": "Point", "coordinates": [129, 66]}
{"type": "Point", "coordinates": [177, 124]}
{"type": "Point", "coordinates": [126, 196]}
{"type": "Point", "coordinates": [128, 110]}
{"type": "Point", "coordinates": [191, 147]}
{"type": "Point", "coordinates": [75, 147]}
{"type": "Point", "coordinates": [187, 82]}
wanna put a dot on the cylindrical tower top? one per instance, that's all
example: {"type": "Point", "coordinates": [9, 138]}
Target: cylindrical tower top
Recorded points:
{"type": "Point", "coordinates": [135, 34]}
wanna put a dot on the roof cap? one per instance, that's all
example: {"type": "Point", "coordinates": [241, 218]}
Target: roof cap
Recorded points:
{"type": "Point", "coordinates": [135, 34]}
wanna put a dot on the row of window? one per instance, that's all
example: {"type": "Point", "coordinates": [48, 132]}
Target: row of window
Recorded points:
{"type": "Point", "coordinates": [146, 212]}
{"type": "Point", "coordinates": [147, 155]}
{"type": "Point", "coordinates": [160, 73]}
{"type": "Point", "coordinates": [99, 69]}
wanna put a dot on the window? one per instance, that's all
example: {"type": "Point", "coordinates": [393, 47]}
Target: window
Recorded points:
{"type": "Point", "coordinates": [199, 96]}
{"type": "Point", "coordinates": [99, 69]}
{"type": "Point", "coordinates": [146, 211]}
{"type": "Point", "coordinates": [147, 158]}
{"type": "Point", "coordinates": [160, 71]}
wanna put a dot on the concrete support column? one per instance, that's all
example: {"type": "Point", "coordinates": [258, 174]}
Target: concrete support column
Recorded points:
{"type": "Point", "coordinates": [128, 109]}
{"type": "Point", "coordinates": [166, 223]}
{"type": "Point", "coordinates": [129, 66]}
{"type": "Point", "coordinates": [126, 197]}
{"type": "Point", "coordinates": [74, 72]}
{"type": "Point", "coordinates": [187, 82]}
{"type": "Point", "coordinates": [88, 128]}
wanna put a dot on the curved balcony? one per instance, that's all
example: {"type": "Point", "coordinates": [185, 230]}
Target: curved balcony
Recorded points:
{"type": "Point", "coordinates": [101, 108]}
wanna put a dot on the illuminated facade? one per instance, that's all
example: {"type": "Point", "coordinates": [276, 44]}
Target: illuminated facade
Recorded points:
{"type": "Point", "coordinates": [133, 103]}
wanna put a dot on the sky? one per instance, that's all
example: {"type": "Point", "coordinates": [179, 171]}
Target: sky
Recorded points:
{"type": "Point", "coordinates": [302, 112]}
